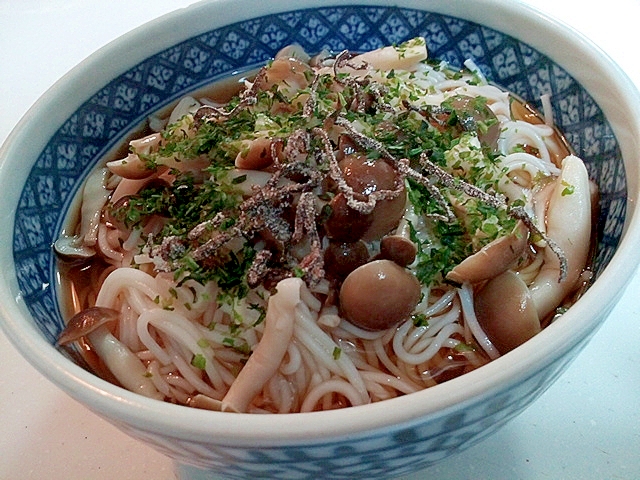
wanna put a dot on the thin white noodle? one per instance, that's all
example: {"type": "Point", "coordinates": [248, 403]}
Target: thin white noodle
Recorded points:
{"type": "Point", "coordinates": [360, 332]}
{"type": "Point", "coordinates": [437, 322]}
{"type": "Point", "coordinates": [186, 370]}
{"type": "Point", "coordinates": [293, 360]}
{"type": "Point", "coordinates": [218, 363]}
{"type": "Point", "coordinates": [439, 304]}
{"type": "Point", "coordinates": [425, 341]}
{"type": "Point", "coordinates": [471, 65]}
{"type": "Point", "coordinates": [125, 278]}
{"type": "Point", "coordinates": [417, 344]}
{"type": "Point", "coordinates": [149, 342]}
{"type": "Point", "coordinates": [437, 341]}
{"type": "Point", "coordinates": [389, 381]}
{"type": "Point", "coordinates": [301, 378]}
{"type": "Point", "coordinates": [547, 109]}
{"type": "Point", "coordinates": [519, 132]}
{"type": "Point", "coordinates": [127, 328]}
{"type": "Point", "coordinates": [158, 379]}
{"type": "Point", "coordinates": [132, 240]}
{"type": "Point", "coordinates": [138, 301]}
{"type": "Point", "coordinates": [411, 336]}
{"type": "Point", "coordinates": [378, 346]}
{"type": "Point", "coordinates": [179, 382]}
{"type": "Point", "coordinates": [529, 273]}
{"type": "Point", "coordinates": [184, 333]}
{"type": "Point", "coordinates": [280, 391]}
{"type": "Point", "coordinates": [323, 347]}
{"type": "Point", "coordinates": [529, 163]}
{"type": "Point", "coordinates": [370, 356]}
{"type": "Point", "coordinates": [335, 385]}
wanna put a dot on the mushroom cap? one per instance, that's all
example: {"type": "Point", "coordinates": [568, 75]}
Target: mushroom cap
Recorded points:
{"type": "Point", "coordinates": [367, 176]}
{"type": "Point", "coordinates": [379, 295]}
{"type": "Point", "coordinates": [72, 248]}
{"type": "Point", "coordinates": [506, 311]}
{"type": "Point", "coordinates": [471, 112]}
{"type": "Point", "coordinates": [399, 249]}
{"type": "Point", "coordinates": [342, 258]}
{"type": "Point", "coordinates": [85, 322]}
{"type": "Point", "coordinates": [492, 259]}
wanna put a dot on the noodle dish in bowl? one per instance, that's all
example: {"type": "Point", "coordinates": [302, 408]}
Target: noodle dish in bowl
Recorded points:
{"type": "Point", "coordinates": [395, 239]}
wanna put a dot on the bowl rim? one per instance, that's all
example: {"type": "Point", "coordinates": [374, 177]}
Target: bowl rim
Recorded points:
{"type": "Point", "coordinates": [126, 407]}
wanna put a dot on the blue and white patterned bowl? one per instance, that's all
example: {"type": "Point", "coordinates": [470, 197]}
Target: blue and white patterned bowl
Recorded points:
{"type": "Point", "coordinates": [95, 106]}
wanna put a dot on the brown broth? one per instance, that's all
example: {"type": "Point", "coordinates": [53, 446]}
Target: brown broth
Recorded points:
{"type": "Point", "coordinates": [80, 281]}
{"type": "Point", "coordinates": [521, 110]}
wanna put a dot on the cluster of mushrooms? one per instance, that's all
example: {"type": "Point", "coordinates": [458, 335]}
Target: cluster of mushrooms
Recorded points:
{"type": "Point", "coordinates": [321, 225]}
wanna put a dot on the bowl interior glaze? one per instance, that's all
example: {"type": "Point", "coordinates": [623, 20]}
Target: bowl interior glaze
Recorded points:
{"type": "Point", "coordinates": [120, 103]}
{"type": "Point", "coordinates": [126, 101]}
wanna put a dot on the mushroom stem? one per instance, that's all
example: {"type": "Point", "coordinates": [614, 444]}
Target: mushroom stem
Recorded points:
{"type": "Point", "coordinates": [266, 358]}
{"type": "Point", "coordinates": [123, 363]}
{"type": "Point", "coordinates": [125, 366]}
{"type": "Point", "coordinates": [398, 246]}
{"type": "Point", "coordinates": [94, 197]}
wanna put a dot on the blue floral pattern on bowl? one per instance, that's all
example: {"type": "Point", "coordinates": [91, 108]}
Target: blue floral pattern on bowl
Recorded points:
{"type": "Point", "coordinates": [125, 102]}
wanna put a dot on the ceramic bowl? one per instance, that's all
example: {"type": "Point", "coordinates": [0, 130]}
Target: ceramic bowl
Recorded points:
{"type": "Point", "coordinates": [110, 94]}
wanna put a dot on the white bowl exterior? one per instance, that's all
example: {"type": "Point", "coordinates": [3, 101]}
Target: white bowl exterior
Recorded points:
{"type": "Point", "coordinates": [448, 417]}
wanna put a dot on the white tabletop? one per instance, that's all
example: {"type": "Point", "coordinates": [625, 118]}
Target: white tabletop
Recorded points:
{"type": "Point", "coordinates": [586, 426]}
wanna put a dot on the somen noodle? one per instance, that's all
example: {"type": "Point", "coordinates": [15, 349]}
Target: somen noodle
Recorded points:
{"type": "Point", "coordinates": [342, 230]}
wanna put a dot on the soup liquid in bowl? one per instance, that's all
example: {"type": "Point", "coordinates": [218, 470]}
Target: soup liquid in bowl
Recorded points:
{"type": "Point", "coordinates": [435, 436]}
{"type": "Point", "coordinates": [344, 230]}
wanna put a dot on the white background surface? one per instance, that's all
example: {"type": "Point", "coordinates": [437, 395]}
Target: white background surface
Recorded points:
{"type": "Point", "coordinates": [586, 426]}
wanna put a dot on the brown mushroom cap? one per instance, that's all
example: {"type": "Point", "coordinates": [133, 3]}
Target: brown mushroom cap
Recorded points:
{"type": "Point", "coordinates": [474, 115]}
{"type": "Point", "coordinates": [367, 176]}
{"type": "Point", "coordinates": [342, 258]}
{"type": "Point", "coordinates": [379, 295]}
{"type": "Point", "coordinates": [85, 322]}
{"type": "Point", "coordinates": [492, 259]}
{"type": "Point", "coordinates": [399, 249]}
{"type": "Point", "coordinates": [344, 223]}
{"type": "Point", "coordinates": [506, 312]}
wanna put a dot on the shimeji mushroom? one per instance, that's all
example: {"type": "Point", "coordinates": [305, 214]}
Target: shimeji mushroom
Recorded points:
{"type": "Point", "coordinates": [492, 259]}
{"type": "Point", "coordinates": [266, 358]}
{"type": "Point", "coordinates": [379, 295]}
{"type": "Point", "coordinates": [125, 366]}
{"type": "Point", "coordinates": [506, 311]}
{"type": "Point", "coordinates": [94, 196]}
{"type": "Point", "coordinates": [398, 246]}
{"type": "Point", "coordinates": [402, 57]}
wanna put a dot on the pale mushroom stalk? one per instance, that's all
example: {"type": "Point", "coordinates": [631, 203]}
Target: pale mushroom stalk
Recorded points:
{"type": "Point", "coordinates": [94, 197]}
{"type": "Point", "coordinates": [125, 366]}
{"type": "Point", "coordinates": [123, 363]}
{"type": "Point", "coordinates": [266, 358]}
{"type": "Point", "coordinates": [569, 225]}
{"type": "Point", "coordinates": [401, 57]}
{"type": "Point", "coordinates": [255, 154]}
